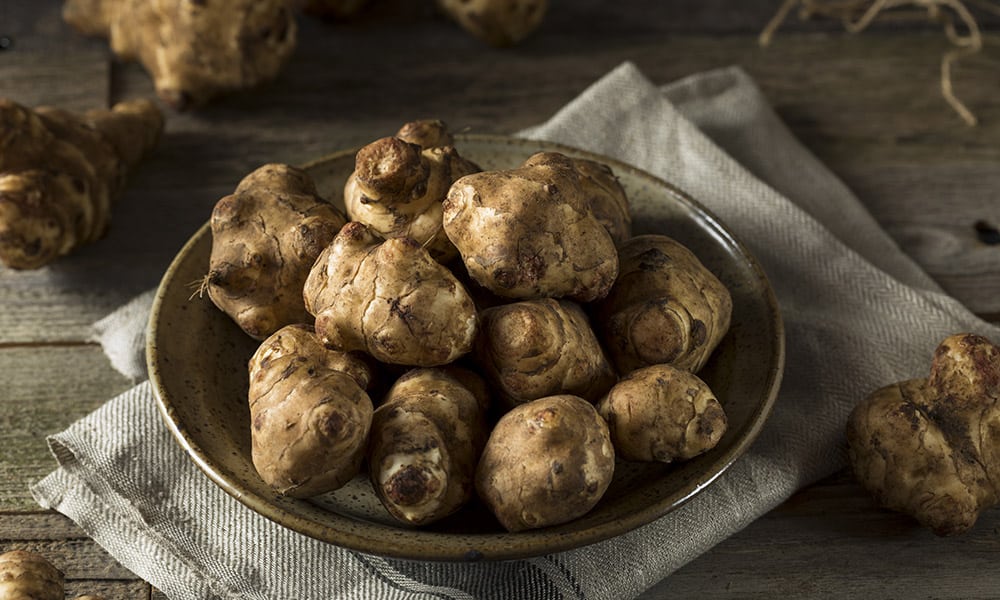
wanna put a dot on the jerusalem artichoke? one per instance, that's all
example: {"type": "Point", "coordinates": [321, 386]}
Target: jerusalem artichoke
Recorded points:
{"type": "Point", "coordinates": [265, 237]}
{"type": "Point", "coordinates": [537, 348]}
{"type": "Point", "coordinates": [665, 307]}
{"type": "Point", "coordinates": [426, 439]}
{"type": "Point", "coordinates": [193, 49]}
{"type": "Point", "coordinates": [660, 413]}
{"type": "Point", "coordinates": [546, 462]}
{"type": "Point", "coordinates": [399, 182]}
{"type": "Point", "coordinates": [930, 447]}
{"type": "Point", "coordinates": [309, 412]}
{"type": "Point", "coordinates": [530, 232]}
{"type": "Point", "coordinates": [60, 173]}
{"type": "Point", "coordinates": [389, 298]}
{"type": "Point", "coordinates": [496, 22]}
{"type": "Point", "coordinates": [26, 575]}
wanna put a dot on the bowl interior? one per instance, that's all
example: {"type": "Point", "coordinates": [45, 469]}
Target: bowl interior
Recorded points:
{"type": "Point", "coordinates": [197, 360]}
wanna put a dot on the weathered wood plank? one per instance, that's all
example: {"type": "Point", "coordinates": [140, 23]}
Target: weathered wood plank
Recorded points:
{"type": "Point", "coordinates": [831, 541]}
{"type": "Point", "coordinates": [42, 391]}
{"type": "Point", "coordinates": [37, 525]}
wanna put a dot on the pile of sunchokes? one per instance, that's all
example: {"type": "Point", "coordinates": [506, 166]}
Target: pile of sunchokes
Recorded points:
{"type": "Point", "coordinates": [60, 173]}
{"type": "Point", "coordinates": [516, 400]}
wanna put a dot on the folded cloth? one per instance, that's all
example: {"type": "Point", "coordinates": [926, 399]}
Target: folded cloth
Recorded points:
{"type": "Point", "coordinates": [858, 314]}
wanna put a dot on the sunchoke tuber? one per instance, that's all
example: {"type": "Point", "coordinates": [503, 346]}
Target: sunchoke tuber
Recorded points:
{"type": "Point", "coordinates": [536, 348]}
{"type": "Point", "coordinates": [193, 49]}
{"type": "Point", "coordinates": [660, 413]}
{"type": "Point", "coordinates": [265, 238]}
{"type": "Point", "coordinates": [497, 22]}
{"type": "Point", "coordinates": [530, 232]}
{"type": "Point", "coordinates": [930, 447]}
{"type": "Point", "coordinates": [546, 462]}
{"type": "Point", "coordinates": [665, 307]}
{"type": "Point", "coordinates": [26, 575]}
{"type": "Point", "coordinates": [309, 412]}
{"type": "Point", "coordinates": [399, 183]}
{"type": "Point", "coordinates": [426, 439]}
{"type": "Point", "coordinates": [60, 173]}
{"type": "Point", "coordinates": [389, 298]}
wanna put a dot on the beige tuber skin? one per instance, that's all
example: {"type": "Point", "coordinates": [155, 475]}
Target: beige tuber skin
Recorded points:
{"type": "Point", "coordinates": [389, 298]}
{"type": "Point", "coordinates": [309, 412]}
{"type": "Point", "coordinates": [660, 413]}
{"type": "Point", "coordinates": [602, 192]}
{"type": "Point", "coordinates": [546, 462]}
{"type": "Point", "coordinates": [28, 575]}
{"type": "Point", "coordinates": [265, 238]}
{"type": "Point", "coordinates": [426, 439]}
{"type": "Point", "coordinates": [536, 348]}
{"type": "Point", "coordinates": [665, 307]}
{"type": "Point", "coordinates": [399, 182]}
{"type": "Point", "coordinates": [531, 233]}
{"type": "Point", "coordinates": [193, 49]}
{"type": "Point", "coordinates": [497, 22]}
{"type": "Point", "coordinates": [60, 173]}
{"type": "Point", "coordinates": [930, 448]}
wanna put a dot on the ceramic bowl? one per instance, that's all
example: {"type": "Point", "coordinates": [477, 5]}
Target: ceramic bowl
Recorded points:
{"type": "Point", "coordinates": [198, 366]}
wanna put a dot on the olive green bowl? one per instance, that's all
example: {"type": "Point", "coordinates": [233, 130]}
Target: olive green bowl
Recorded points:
{"type": "Point", "coordinates": [198, 366]}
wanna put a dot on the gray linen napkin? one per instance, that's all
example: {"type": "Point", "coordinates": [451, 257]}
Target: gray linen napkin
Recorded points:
{"type": "Point", "coordinates": [858, 314]}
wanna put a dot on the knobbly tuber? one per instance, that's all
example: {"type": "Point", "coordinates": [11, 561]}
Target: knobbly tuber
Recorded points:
{"type": "Point", "coordinates": [399, 182]}
{"type": "Point", "coordinates": [60, 173]}
{"type": "Point", "coordinates": [497, 22]}
{"type": "Point", "coordinates": [389, 298]}
{"type": "Point", "coordinates": [309, 412]}
{"type": "Point", "coordinates": [536, 348]}
{"type": "Point", "coordinates": [546, 462]}
{"type": "Point", "coordinates": [930, 447]}
{"type": "Point", "coordinates": [265, 238]}
{"type": "Point", "coordinates": [660, 413]}
{"type": "Point", "coordinates": [26, 575]}
{"type": "Point", "coordinates": [531, 233]}
{"type": "Point", "coordinates": [426, 439]}
{"type": "Point", "coordinates": [665, 307]}
{"type": "Point", "coordinates": [193, 49]}
{"type": "Point", "coordinates": [602, 193]}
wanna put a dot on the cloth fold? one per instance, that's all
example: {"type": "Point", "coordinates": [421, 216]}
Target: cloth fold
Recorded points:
{"type": "Point", "coordinates": [858, 314]}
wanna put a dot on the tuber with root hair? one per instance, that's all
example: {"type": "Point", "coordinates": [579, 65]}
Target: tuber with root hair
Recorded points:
{"type": "Point", "coordinates": [930, 447]}
{"type": "Point", "coordinates": [60, 173]}
{"type": "Point", "coordinates": [265, 237]}
{"type": "Point", "coordinates": [497, 22]}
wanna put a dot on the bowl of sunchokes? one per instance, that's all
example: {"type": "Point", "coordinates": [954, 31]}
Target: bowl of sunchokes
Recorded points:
{"type": "Point", "coordinates": [469, 347]}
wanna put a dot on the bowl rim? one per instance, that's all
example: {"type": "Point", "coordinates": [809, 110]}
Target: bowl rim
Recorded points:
{"type": "Point", "coordinates": [443, 546]}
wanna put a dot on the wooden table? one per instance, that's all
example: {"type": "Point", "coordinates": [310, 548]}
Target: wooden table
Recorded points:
{"type": "Point", "coordinates": [867, 105]}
